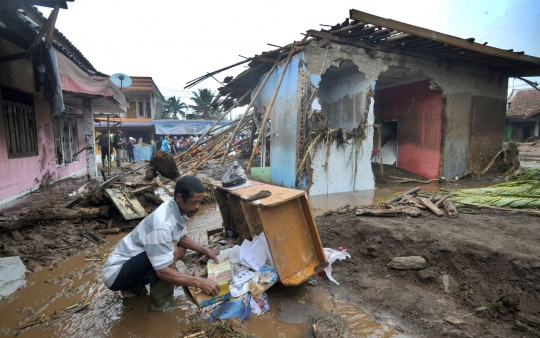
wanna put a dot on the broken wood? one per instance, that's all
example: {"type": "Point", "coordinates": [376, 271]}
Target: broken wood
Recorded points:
{"type": "Point", "coordinates": [412, 200]}
{"type": "Point", "coordinates": [93, 236]}
{"type": "Point", "coordinates": [450, 209]}
{"type": "Point", "coordinates": [377, 213]}
{"type": "Point", "coordinates": [262, 132]}
{"type": "Point", "coordinates": [126, 203]}
{"type": "Point", "coordinates": [51, 215]}
{"type": "Point", "coordinates": [408, 192]}
{"type": "Point", "coordinates": [164, 187]}
{"type": "Point", "coordinates": [143, 189]}
{"type": "Point", "coordinates": [431, 206]}
{"type": "Point", "coordinates": [109, 231]}
{"type": "Point", "coordinates": [153, 197]}
{"type": "Point", "coordinates": [441, 201]}
{"type": "Point", "coordinates": [255, 97]}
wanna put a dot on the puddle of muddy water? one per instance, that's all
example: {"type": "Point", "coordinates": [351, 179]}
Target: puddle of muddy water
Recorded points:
{"type": "Point", "coordinates": [321, 203]}
{"type": "Point", "coordinates": [111, 316]}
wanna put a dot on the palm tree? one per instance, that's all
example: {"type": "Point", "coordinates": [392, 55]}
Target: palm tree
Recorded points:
{"type": "Point", "coordinates": [202, 99]}
{"type": "Point", "coordinates": [175, 106]}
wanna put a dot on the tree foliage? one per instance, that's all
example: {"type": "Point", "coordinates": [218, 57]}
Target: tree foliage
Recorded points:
{"type": "Point", "coordinates": [174, 107]}
{"type": "Point", "coordinates": [203, 98]}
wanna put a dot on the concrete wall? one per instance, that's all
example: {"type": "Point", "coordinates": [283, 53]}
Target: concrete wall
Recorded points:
{"type": "Point", "coordinates": [342, 95]}
{"type": "Point", "coordinates": [21, 175]}
{"type": "Point", "coordinates": [457, 122]}
{"type": "Point", "coordinates": [418, 110]}
{"type": "Point", "coordinates": [486, 89]}
{"type": "Point", "coordinates": [488, 119]}
{"type": "Point", "coordinates": [284, 122]}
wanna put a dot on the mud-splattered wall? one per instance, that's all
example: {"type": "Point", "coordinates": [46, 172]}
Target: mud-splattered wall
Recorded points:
{"type": "Point", "coordinates": [21, 175]}
{"type": "Point", "coordinates": [418, 110]}
{"type": "Point", "coordinates": [487, 119]}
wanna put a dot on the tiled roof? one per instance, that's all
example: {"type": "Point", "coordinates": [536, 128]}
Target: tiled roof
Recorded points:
{"type": "Point", "coordinates": [524, 103]}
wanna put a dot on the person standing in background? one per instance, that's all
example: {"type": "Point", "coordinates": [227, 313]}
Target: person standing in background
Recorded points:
{"type": "Point", "coordinates": [118, 145]}
{"type": "Point", "coordinates": [131, 149]}
{"type": "Point", "coordinates": [165, 145]}
{"type": "Point", "coordinates": [104, 142]}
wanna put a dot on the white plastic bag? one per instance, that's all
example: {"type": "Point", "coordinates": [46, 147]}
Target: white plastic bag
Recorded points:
{"type": "Point", "coordinates": [331, 256]}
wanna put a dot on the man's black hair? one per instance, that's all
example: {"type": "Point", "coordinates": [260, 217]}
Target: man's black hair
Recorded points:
{"type": "Point", "coordinates": [187, 186]}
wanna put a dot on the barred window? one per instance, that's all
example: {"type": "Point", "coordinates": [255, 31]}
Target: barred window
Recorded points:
{"type": "Point", "coordinates": [66, 139]}
{"type": "Point", "coordinates": [19, 122]}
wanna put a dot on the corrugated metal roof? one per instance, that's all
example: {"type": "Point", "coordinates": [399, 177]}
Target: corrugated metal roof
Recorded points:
{"type": "Point", "coordinates": [375, 33]}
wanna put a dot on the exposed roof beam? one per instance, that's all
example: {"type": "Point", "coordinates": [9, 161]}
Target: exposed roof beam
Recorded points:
{"type": "Point", "coordinates": [436, 36]}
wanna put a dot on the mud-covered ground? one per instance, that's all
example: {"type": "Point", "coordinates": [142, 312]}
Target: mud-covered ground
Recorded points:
{"type": "Point", "coordinates": [472, 261]}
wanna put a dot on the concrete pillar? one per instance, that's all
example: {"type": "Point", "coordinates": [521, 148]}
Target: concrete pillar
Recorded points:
{"type": "Point", "coordinates": [537, 127]}
{"type": "Point", "coordinates": [89, 139]}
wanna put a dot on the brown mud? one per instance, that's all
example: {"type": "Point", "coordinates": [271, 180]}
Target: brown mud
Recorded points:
{"type": "Point", "coordinates": [164, 163]}
{"type": "Point", "coordinates": [293, 310]}
{"type": "Point", "coordinates": [472, 261]}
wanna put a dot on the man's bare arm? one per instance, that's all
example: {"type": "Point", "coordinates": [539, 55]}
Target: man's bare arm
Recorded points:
{"type": "Point", "coordinates": [174, 277]}
{"type": "Point", "coordinates": [188, 243]}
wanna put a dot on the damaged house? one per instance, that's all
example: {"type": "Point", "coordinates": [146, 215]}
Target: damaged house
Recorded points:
{"type": "Point", "coordinates": [48, 94]}
{"type": "Point", "coordinates": [378, 90]}
{"type": "Point", "coordinates": [523, 115]}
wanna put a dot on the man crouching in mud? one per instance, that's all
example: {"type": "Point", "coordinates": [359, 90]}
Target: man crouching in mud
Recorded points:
{"type": "Point", "coordinates": [149, 253]}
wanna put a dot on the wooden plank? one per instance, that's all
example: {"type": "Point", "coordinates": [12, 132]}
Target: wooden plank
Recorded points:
{"type": "Point", "coordinates": [252, 218]}
{"type": "Point", "coordinates": [290, 242]}
{"type": "Point", "coordinates": [126, 203]}
{"type": "Point", "coordinates": [279, 194]}
{"type": "Point", "coordinates": [437, 36]}
{"type": "Point", "coordinates": [238, 216]}
{"type": "Point", "coordinates": [431, 206]}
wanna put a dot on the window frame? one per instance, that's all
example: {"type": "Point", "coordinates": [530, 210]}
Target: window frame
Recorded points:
{"type": "Point", "coordinates": [19, 118]}
{"type": "Point", "coordinates": [66, 137]}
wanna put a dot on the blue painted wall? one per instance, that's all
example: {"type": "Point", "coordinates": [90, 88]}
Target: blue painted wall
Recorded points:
{"type": "Point", "coordinates": [284, 122]}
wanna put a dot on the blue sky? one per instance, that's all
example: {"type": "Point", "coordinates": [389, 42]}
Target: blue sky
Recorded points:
{"type": "Point", "coordinates": [177, 41]}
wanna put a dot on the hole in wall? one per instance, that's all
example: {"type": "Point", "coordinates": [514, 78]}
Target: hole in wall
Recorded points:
{"type": "Point", "coordinates": [341, 96]}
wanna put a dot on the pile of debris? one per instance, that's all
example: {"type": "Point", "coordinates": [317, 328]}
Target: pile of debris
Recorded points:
{"type": "Point", "coordinates": [63, 228]}
{"type": "Point", "coordinates": [409, 203]}
{"type": "Point", "coordinates": [521, 196]}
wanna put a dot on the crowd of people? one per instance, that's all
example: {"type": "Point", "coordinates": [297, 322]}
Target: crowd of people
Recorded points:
{"type": "Point", "coordinates": [122, 148]}
{"type": "Point", "coordinates": [176, 145]}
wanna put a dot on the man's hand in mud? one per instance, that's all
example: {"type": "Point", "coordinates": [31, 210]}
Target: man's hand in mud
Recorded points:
{"type": "Point", "coordinates": [209, 287]}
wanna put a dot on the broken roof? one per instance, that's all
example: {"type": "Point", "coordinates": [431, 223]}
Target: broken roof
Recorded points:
{"type": "Point", "coordinates": [524, 103]}
{"type": "Point", "coordinates": [376, 33]}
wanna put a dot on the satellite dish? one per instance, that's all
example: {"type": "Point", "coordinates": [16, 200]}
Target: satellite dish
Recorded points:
{"type": "Point", "coordinates": [121, 80]}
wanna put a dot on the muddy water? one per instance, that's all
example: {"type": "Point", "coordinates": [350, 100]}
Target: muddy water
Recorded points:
{"type": "Point", "coordinates": [321, 203]}
{"type": "Point", "coordinates": [111, 316]}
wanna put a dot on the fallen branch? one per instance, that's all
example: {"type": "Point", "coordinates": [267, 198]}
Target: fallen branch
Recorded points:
{"type": "Point", "coordinates": [450, 209]}
{"type": "Point", "coordinates": [431, 206]}
{"type": "Point", "coordinates": [441, 201]}
{"type": "Point", "coordinates": [377, 213]}
{"type": "Point", "coordinates": [53, 215]}
{"type": "Point", "coordinates": [399, 197]}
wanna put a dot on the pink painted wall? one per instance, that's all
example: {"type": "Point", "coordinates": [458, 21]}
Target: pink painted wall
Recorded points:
{"type": "Point", "coordinates": [419, 125]}
{"type": "Point", "coordinates": [22, 174]}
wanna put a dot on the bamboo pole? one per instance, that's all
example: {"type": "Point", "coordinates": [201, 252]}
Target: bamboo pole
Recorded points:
{"type": "Point", "coordinates": [219, 120]}
{"type": "Point", "coordinates": [231, 140]}
{"type": "Point", "coordinates": [271, 105]}
{"type": "Point", "coordinates": [211, 104]}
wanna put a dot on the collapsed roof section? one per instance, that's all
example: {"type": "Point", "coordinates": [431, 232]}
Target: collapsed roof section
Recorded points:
{"type": "Point", "coordinates": [374, 34]}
